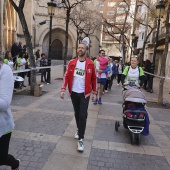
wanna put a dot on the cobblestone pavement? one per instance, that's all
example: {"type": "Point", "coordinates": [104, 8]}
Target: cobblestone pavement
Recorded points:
{"type": "Point", "coordinates": [45, 126]}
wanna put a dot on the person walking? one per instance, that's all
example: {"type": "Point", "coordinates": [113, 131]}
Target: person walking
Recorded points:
{"type": "Point", "coordinates": [101, 78]}
{"type": "Point", "coordinates": [119, 72]}
{"type": "Point", "coordinates": [80, 77]}
{"type": "Point", "coordinates": [6, 118]}
{"type": "Point", "coordinates": [43, 63]}
{"type": "Point", "coordinates": [133, 76]}
{"type": "Point", "coordinates": [114, 73]}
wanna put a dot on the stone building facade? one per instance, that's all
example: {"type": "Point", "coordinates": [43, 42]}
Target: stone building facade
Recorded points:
{"type": "Point", "coordinates": [35, 12]}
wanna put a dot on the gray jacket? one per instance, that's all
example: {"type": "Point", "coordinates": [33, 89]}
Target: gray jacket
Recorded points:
{"type": "Point", "coordinates": [6, 91]}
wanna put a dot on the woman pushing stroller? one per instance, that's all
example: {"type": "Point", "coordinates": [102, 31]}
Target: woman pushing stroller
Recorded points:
{"type": "Point", "coordinates": [135, 117]}
{"type": "Point", "coordinates": [133, 76]}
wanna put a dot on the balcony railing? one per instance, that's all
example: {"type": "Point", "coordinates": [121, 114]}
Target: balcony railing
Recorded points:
{"type": "Point", "coordinates": [162, 34]}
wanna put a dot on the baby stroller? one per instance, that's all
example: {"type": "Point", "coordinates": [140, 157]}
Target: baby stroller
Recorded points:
{"type": "Point", "coordinates": [18, 82]}
{"type": "Point", "coordinates": [134, 114]}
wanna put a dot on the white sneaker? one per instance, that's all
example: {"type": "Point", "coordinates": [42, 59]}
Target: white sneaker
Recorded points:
{"type": "Point", "coordinates": [117, 84]}
{"type": "Point", "coordinates": [106, 91]}
{"type": "Point", "coordinates": [76, 136]}
{"type": "Point", "coordinates": [80, 146]}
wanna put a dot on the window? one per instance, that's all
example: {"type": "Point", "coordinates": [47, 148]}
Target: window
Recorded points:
{"type": "Point", "coordinates": [101, 4]}
{"type": "Point", "coordinates": [120, 10]}
{"type": "Point", "coordinates": [120, 19]}
{"type": "Point", "coordinates": [111, 4]}
{"type": "Point", "coordinates": [123, 3]}
{"type": "Point", "coordinates": [140, 8]}
{"type": "Point", "coordinates": [110, 29]}
{"type": "Point", "coordinates": [110, 12]}
{"type": "Point", "coordinates": [110, 21]}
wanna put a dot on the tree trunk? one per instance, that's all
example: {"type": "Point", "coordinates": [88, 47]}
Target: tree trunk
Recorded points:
{"type": "Point", "coordinates": [163, 64]}
{"type": "Point", "coordinates": [144, 44]}
{"type": "Point", "coordinates": [29, 49]}
{"type": "Point", "coordinates": [66, 38]}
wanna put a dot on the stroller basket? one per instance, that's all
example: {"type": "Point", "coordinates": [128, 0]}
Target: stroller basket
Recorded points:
{"type": "Point", "coordinates": [135, 129]}
{"type": "Point", "coordinates": [135, 115]}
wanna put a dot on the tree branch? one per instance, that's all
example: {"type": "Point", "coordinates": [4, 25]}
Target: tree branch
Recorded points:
{"type": "Point", "coordinates": [14, 5]}
{"type": "Point", "coordinates": [21, 4]}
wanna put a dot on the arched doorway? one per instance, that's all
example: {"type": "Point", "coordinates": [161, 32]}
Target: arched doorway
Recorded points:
{"type": "Point", "coordinates": [56, 50]}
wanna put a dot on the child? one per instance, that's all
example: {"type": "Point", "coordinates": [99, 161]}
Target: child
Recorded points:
{"type": "Point", "coordinates": [103, 64]}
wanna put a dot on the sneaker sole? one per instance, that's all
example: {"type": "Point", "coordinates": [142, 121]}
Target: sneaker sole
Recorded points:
{"type": "Point", "coordinates": [80, 150]}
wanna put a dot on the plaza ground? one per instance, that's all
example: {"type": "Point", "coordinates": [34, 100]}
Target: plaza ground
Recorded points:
{"type": "Point", "coordinates": [43, 138]}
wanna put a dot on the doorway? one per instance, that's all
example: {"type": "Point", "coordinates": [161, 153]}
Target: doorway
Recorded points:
{"type": "Point", "coordinates": [56, 50]}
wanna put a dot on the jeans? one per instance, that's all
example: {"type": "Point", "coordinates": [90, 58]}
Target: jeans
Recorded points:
{"type": "Point", "coordinates": [111, 81]}
{"type": "Point", "coordinates": [43, 75]}
{"type": "Point", "coordinates": [119, 76]}
{"type": "Point", "coordinates": [5, 158]}
{"type": "Point", "coordinates": [80, 105]}
{"type": "Point", "coordinates": [107, 84]}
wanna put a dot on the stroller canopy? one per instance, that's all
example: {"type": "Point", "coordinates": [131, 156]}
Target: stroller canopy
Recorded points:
{"type": "Point", "coordinates": [134, 95]}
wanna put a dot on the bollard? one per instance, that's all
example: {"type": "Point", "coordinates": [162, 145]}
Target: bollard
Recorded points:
{"type": "Point", "coordinates": [38, 90]}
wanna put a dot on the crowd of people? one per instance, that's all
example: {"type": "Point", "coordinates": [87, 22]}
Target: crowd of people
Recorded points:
{"type": "Point", "coordinates": [83, 77]}
{"type": "Point", "coordinates": [96, 75]}
{"type": "Point", "coordinates": [19, 60]}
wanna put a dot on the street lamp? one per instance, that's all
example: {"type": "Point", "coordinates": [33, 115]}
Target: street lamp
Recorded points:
{"type": "Point", "coordinates": [133, 35]}
{"type": "Point", "coordinates": [160, 9]}
{"type": "Point", "coordinates": [51, 12]}
{"type": "Point", "coordinates": [80, 33]}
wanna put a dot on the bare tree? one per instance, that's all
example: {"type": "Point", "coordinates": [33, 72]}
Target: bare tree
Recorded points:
{"type": "Point", "coordinates": [19, 10]}
{"type": "Point", "coordinates": [118, 27]}
{"type": "Point", "coordinates": [164, 57]}
{"type": "Point", "coordinates": [68, 6]}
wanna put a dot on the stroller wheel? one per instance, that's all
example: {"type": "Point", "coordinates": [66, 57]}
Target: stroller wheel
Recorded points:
{"type": "Point", "coordinates": [137, 139]}
{"type": "Point", "coordinates": [132, 138]}
{"type": "Point", "coordinates": [117, 126]}
{"type": "Point", "coordinates": [124, 124]}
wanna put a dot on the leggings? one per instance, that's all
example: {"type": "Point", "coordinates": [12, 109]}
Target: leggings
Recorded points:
{"type": "Point", "coordinates": [5, 158]}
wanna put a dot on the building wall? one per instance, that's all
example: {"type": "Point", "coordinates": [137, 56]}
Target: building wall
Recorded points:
{"type": "Point", "coordinates": [36, 12]}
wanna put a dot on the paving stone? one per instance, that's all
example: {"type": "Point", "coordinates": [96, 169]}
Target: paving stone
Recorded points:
{"type": "Point", "coordinates": [38, 122]}
{"type": "Point", "coordinates": [23, 100]}
{"type": "Point", "coordinates": [31, 159]}
{"type": "Point", "coordinates": [60, 105]}
{"type": "Point", "coordinates": [127, 161]}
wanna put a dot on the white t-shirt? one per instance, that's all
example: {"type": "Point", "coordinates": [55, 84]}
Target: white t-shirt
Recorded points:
{"type": "Point", "coordinates": [120, 69]}
{"type": "Point", "coordinates": [132, 77]}
{"type": "Point", "coordinates": [22, 61]}
{"type": "Point", "coordinates": [11, 63]}
{"type": "Point", "coordinates": [103, 75]}
{"type": "Point", "coordinates": [79, 77]}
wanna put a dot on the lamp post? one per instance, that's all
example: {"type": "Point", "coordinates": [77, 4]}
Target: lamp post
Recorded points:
{"type": "Point", "coordinates": [80, 33]}
{"type": "Point", "coordinates": [160, 9]}
{"type": "Point", "coordinates": [133, 35]}
{"type": "Point", "coordinates": [51, 12]}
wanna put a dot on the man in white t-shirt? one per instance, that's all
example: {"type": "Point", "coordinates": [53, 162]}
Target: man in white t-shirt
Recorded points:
{"type": "Point", "coordinates": [81, 80]}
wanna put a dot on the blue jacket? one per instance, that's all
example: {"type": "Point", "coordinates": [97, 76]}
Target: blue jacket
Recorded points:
{"type": "Point", "coordinates": [114, 69]}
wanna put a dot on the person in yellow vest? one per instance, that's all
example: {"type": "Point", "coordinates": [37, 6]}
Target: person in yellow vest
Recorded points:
{"type": "Point", "coordinates": [21, 64]}
{"type": "Point", "coordinates": [8, 59]}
